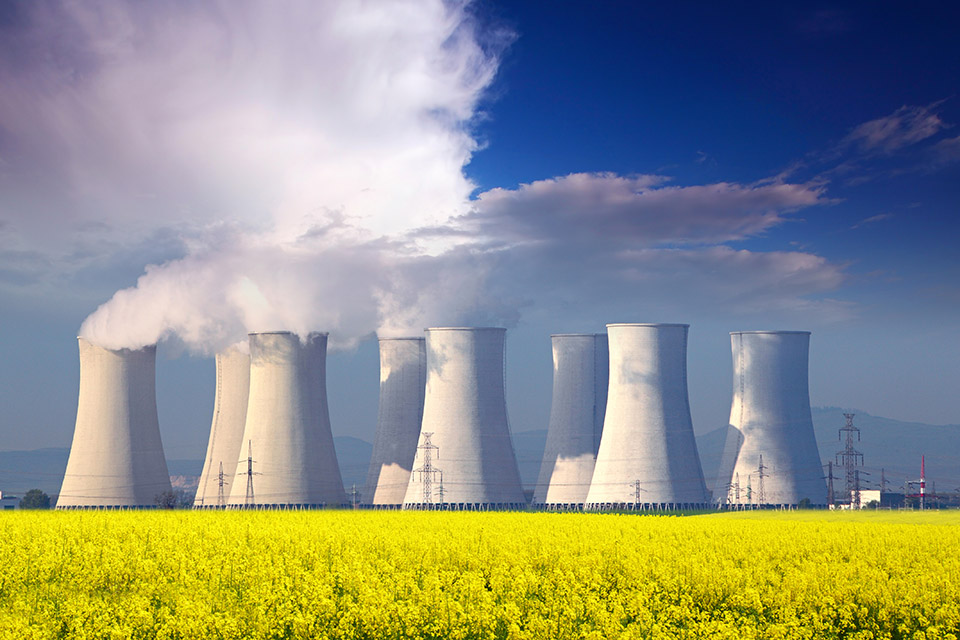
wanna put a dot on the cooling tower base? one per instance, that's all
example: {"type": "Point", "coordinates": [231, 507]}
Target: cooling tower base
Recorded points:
{"type": "Point", "coordinates": [466, 506]}
{"type": "Point", "coordinates": [284, 507]}
{"type": "Point", "coordinates": [652, 506]}
{"type": "Point", "coordinates": [106, 507]}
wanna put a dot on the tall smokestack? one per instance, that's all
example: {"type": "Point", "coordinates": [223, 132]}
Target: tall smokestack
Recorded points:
{"type": "Point", "coordinates": [770, 419]}
{"type": "Point", "coordinates": [226, 430]}
{"type": "Point", "coordinates": [116, 459]}
{"type": "Point", "coordinates": [287, 430]}
{"type": "Point", "coordinates": [471, 464]}
{"type": "Point", "coordinates": [648, 454]}
{"type": "Point", "coordinates": [403, 375]}
{"type": "Point", "coordinates": [580, 376]}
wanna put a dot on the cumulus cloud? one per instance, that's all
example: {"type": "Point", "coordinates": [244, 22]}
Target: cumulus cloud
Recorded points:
{"type": "Point", "coordinates": [640, 209]}
{"type": "Point", "coordinates": [742, 280]}
{"type": "Point", "coordinates": [617, 280]}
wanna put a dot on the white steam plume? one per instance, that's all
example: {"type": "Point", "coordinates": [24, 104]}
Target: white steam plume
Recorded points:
{"type": "Point", "coordinates": [293, 140]}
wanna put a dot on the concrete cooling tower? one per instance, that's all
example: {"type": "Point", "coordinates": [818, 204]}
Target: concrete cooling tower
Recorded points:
{"type": "Point", "coordinates": [226, 430]}
{"type": "Point", "coordinates": [465, 458]}
{"type": "Point", "coordinates": [770, 420]}
{"type": "Point", "coordinates": [116, 459]}
{"type": "Point", "coordinates": [648, 454]}
{"type": "Point", "coordinates": [580, 376]}
{"type": "Point", "coordinates": [287, 429]}
{"type": "Point", "coordinates": [403, 375]}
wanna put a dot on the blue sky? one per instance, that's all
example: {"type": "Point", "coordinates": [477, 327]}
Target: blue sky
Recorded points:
{"type": "Point", "coordinates": [549, 167]}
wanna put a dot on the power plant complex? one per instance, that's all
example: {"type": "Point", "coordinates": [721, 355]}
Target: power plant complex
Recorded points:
{"type": "Point", "coordinates": [620, 434]}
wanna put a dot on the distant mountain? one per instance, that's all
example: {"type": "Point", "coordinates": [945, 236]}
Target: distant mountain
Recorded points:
{"type": "Point", "coordinates": [891, 445]}
{"type": "Point", "coordinates": [43, 469]}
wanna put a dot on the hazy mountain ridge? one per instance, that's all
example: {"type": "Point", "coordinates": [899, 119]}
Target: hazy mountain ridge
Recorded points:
{"type": "Point", "coordinates": [893, 445]}
{"type": "Point", "coordinates": [43, 469]}
{"type": "Point", "coordinates": [889, 446]}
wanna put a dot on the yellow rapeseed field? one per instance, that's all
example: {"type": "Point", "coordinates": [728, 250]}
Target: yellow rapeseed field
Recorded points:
{"type": "Point", "coordinates": [481, 575]}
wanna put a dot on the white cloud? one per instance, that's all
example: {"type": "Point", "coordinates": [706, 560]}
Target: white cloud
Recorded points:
{"type": "Point", "coordinates": [149, 114]}
{"type": "Point", "coordinates": [946, 151]}
{"type": "Point", "coordinates": [610, 208]}
{"type": "Point", "coordinates": [659, 284]}
{"type": "Point", "coordinates": [872, 220]}
{"type": "Point", "coordinates": [906, 126]}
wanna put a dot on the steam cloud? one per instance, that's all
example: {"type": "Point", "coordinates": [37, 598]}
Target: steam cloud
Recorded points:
{"type": "Point", "coordinates": [292, 145]}
{"type": "Point", "coordinates": [309, 159]}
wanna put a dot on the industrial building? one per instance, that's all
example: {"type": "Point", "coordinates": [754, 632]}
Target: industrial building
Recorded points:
{"type": "Point", "coordinates": [648, 455]}
{"type": "Point", "coordinates": [116, 459]}
{"type": "Point", "coordinates": [465, 457]}
{"type": "Point", "coordinates": [226, 429]}
{"type": "Point", "coordinates": [580, 377]}
{"type": "Point", "coordinates": [287, 454]}
{"type": "Point", "coordinates": [403, 376]}
{"type": "Point", "coordinates": [770, 457]}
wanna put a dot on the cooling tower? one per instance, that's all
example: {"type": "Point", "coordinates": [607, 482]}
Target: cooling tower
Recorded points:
{"type": "Point", "coordinates": [576, 420]}
{"type": "Point", "coordinates": [116, 459]}
{"type": "Point", "coordinates": [287, 429]}
{"type": "Point", "coordinates": [770, 418]}
{"type": "Point", "coordinates": [226, 430]}
{"type": "Point", "coordinates": [403, 374]}
{"type": "Point", "coordinates": [648, 455]}
{"type": "Point", "coordinates": [465, 458]}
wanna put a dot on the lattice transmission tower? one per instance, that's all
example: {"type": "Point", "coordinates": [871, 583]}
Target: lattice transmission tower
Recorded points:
{"type": "Point", "coordinates": [849, 458]}
{"type": "Point", "coordinates": [427, 471]}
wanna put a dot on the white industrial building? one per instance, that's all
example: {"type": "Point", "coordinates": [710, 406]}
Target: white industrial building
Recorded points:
{"type": "Point", "coordinates": [648, 455]}
{"type": "Point", "coordinates": [287, 435]}
{"type": "Point", "coordinates": [465, 457]}
{"type": "Point", "coordinates": [116, 459]}
{"type": "Point", "coordinates": [580, 377]}
{"type": "Point", "coordinates": [226, 429]}
{"type": "Point", "coordinates": [403, 375]}
{"type": "Point", "coordinates": [771, 456]}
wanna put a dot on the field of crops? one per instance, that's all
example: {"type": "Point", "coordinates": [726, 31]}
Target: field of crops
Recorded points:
{"type": "Point", "coordinates": [485, 575]}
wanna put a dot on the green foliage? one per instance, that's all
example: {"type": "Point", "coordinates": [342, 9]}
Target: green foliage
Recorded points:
{"type": "Point", "coordinates": [35, 499]}
{"type": "Point", "coordinates": [345, 574]}
{"type": "Point", "coordinates": [174, 499]}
